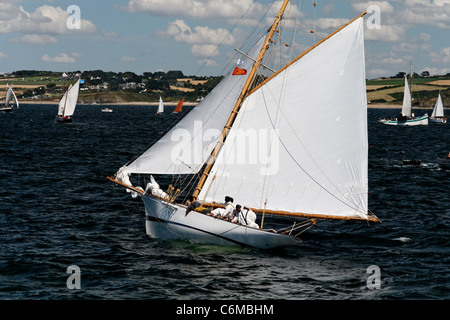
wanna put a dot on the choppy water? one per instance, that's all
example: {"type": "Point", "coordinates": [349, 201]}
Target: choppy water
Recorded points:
{"type": "Point", "coordinates": [57, 209]}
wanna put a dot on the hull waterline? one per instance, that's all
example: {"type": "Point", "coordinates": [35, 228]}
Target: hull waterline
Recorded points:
{"type": "Point", "coordinates": [170, 222]}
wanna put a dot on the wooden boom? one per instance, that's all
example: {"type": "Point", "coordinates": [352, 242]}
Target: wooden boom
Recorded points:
{"type": "Point", "coordinates": [371, 218]}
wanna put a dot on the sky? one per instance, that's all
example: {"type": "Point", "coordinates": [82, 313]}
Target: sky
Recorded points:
{"type": "Point", "coordinates": [198, 37]}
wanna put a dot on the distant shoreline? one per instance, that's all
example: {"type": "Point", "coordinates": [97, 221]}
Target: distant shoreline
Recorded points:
{"type": "Point", "coordinates": [192, 104]}
{"type": "Point", "coordinates": [186, 104]}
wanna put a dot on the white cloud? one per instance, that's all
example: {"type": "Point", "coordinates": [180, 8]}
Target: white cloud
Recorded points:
{"type": "Point", "coordinates": [181, 32]}
{"type": "Point", "coordinates": [385, 6]}
{"type": "Point", "coordinates": [378, 72]}
{"type": "Point", "coordinates": [193, 8]}
{"type": "Point", "coordinates": [391, 33]}
{"type": "Point", "coordinates": [35, 39]}
{"type": "Point", "coordinates": [428, 12]}
{"type": "Point", "coordinates": [204, 50]}
{"type": "Point", "coordinates": [436, 71]}
{"type": "Point", "coordinates": [208, 63]}
{"type": "Point", "coordinates": [61, 58]}
{"type": "Point", "coordinates": [442, 56]}
{"type": "Point", "coordinates": [128, 59]}
{"type": "Point", "coordinates": [44, 20]}
{"type": "Point", "coordinates": [3, 55]}
{"type": "Point", "coordinates": [107, 34]}
{"type": "Point", "coordinates": [392, 60]}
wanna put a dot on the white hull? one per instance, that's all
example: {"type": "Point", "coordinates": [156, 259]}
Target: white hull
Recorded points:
{"type": "Point", "coordinates": [438, 120]}
{"type": "Point", "coordinates": [5, 109]}
{"type": "Point", "coordinates": [169, 222]}
{"type": "Point", "coordinates": [407, 122]}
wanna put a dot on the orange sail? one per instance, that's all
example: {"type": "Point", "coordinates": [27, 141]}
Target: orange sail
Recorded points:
{"type": "Point", "coordinates": [239, 72]}
{"type": "Point", "coordinates": [179, 106]}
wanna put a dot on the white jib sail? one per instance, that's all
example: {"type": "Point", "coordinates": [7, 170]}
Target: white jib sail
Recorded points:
{"type": "Point", "coordinates": [406, 110]}
{"type": "Point", "coordinates": [72, 97]}
{"type": "Point", "coordinates": [187, 146]}
{"type": "Point", "coordinates": [310, 124]}
{"type": "Point", "coordinates": [438, 108]}
{"type": "Point", "coordinates": [160, 106]}
{"type": "Point", "coordinates": [15, 99]}
{"type": "Point", "coordinates": [8, 95]}
{"type": "Point", "coordinates": [63, 102]}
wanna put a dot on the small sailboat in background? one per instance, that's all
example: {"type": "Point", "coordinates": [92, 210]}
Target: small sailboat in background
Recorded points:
{"type": "Point", "coordinates": [68, 103]}
{"type": "Point", "coordinates": [9, 92]}
{"type": "Point", "coordinates": [438, 112]}
{"type": "Point", "coordinates": [160, 107]}
{"type": "Point", "coordinates": [407, 117]}
{"type": "Point", "coordinates": [320, 172]}
{"type": "Point", "coordinates": [179, 106]}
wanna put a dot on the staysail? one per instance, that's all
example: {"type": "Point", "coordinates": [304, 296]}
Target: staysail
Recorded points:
{"type": "Point", "coordinates": [311, 153]}
{"type": "Point", "coordinates": [187, 146]}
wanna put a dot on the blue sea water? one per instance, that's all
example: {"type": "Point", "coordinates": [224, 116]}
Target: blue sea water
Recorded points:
{"type": "Point", "coordinates": [57, 210]}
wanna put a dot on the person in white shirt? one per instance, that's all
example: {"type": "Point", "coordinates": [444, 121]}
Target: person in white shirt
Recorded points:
{"type": "Point", "coordinates": [227, 212]}
{"type": "Point", "coordinates": [245, 217]}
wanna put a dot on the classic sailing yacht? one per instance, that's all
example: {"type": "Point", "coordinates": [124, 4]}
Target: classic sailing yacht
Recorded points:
{"type": "Point", "coordinates": [407, 117]}
{"type": "Point", "coordinates": [309, 162]}
{"type": "Point", "coordinates": [438, 112]}
{"type": "Point", "coordinates": [9, 92]}
{"type": "Point", "coordinates": [68, 103]}
{"type": "Point", "coordinates": [160, 106]}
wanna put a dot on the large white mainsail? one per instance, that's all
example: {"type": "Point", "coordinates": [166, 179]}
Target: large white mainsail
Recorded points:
{"type": "Point", "coordinates": [187, 146]}
{"type": "Point", "coordinates": [406, 110]}
{"type": "Point", "coordinates": [310, 120]}
{"type": "Point", "coordinates": [72, 97]}
{"type": "Point", "coordinates": [9, 93]}
{"type": "Point", "coordinates": [68, 102]}
{"type": "Point", "coordinates": [438, 110]}
{"type": "Point", "coordinates": [160, 106]}
{"type": "Point", "coordinates": [63, 102]}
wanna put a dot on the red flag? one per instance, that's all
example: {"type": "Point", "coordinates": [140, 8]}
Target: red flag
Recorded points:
{"type": "Point", "coordinates": [239, 72]}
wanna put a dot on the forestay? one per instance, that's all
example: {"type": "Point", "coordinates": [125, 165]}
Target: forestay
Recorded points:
{"type": "Point", "coordinates": [310, 122]}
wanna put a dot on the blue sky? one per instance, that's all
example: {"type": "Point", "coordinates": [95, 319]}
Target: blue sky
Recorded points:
{"type": "Point", "coordinates": [150, 35]}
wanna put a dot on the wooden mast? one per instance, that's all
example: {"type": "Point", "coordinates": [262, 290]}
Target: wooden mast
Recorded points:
{"type": "Point", "coordinates": [240, 100]}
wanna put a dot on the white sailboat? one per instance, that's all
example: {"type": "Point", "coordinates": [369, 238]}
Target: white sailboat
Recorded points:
{"type": "Point", "coordinates": [438, 112]}
{"type": "Point", "coordinates": [160, 106]}
{"type": "Point", "coordinates": [407, 117]}
{"type": "Point", "coordinates": [7, 107]}
{"type": "Point", "coordinates": [68, 103]}
{"type": "Point", "coordinates": [311, 159]}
